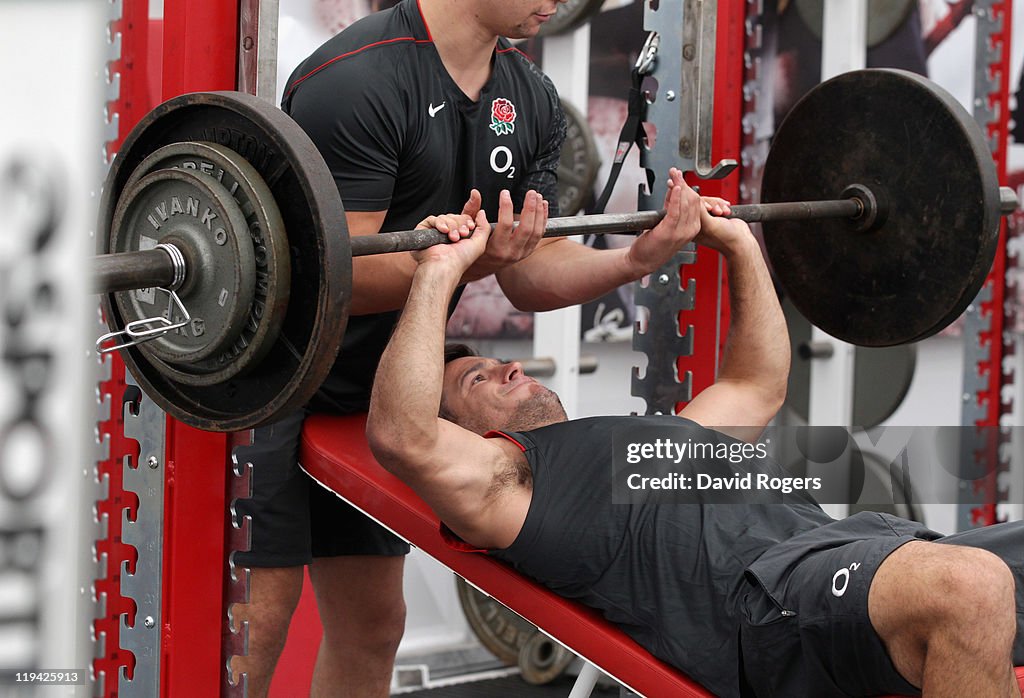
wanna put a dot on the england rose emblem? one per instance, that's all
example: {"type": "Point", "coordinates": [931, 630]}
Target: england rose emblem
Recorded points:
{"type": "Point", "coordinates": [503, 116]}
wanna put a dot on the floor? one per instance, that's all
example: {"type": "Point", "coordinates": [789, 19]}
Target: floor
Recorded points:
{"type": "Point", "coordinates": [474, 672]}
{"type": "Point", "coordinates": [511, 687]}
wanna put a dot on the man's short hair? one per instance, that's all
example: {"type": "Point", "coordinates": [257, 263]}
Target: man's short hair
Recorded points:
{"type": "Point", "coordinates": [457, 351]}
{"type": "Point", "coordinates": [451, 353]}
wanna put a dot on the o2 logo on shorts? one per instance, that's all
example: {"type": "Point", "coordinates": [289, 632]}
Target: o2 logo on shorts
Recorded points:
{"type": "Point", "coordinates": [501, 161]}
{"type": "Point", "coordinates": [841, 579]}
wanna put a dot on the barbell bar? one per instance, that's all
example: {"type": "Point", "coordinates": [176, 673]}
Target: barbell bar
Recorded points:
{"type": "Point", "coordinates": [881, 230]}
{"type": "Point", "coordinates": [615, 223]}
{"type": "Point", "coordinates": [146, 268]}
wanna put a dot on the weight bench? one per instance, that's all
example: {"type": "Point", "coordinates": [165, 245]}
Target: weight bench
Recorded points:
{"type": "Point", "coordinates": [335, 453]}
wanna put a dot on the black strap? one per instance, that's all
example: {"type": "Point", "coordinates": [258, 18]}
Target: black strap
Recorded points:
{"type": "Point", "coordinates": [632, 132]}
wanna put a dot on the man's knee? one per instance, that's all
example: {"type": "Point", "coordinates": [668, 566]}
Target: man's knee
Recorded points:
{"type": "Point", "coordinates": [385, 632]}
{"type": "Point", "coordinates": [361, 601]}
{"type": "Point", "coordinates": [365, 635]}
{"type": "Point", "coordinates": [947, 589]}
{"type": "Point", "coordinates": [970, 589]}
{"type": "Point", "coordinates": [974, 587]}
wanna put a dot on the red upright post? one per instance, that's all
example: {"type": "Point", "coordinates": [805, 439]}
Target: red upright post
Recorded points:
{"type": "Point", "coordinates": [200, 54]}
{"type": "Point", "coordinates": [200, 46]}
{"type": "Point", "coordinates": [711, 302]}
{"type": "Point", "coordinates": [996, 377]}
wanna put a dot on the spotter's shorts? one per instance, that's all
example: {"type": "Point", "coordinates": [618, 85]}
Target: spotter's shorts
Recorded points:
{"type": "Point", "coordinates": [294, 519]}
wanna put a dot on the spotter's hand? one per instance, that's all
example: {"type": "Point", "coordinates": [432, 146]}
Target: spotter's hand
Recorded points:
{"type": "Point", "coordinates": [510, 243]}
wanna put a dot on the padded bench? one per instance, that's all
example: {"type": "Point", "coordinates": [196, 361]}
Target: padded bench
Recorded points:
{"type": "Point", "coordinates": [335, 453]}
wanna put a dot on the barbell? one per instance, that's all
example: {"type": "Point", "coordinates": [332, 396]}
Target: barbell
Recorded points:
{"type": "Point", "coordinates": [226, 267]}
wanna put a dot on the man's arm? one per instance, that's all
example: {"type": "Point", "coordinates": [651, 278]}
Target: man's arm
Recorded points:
{"type": "Point", "coordinates": [451, 468]}
{"type": "Point", "coordinates": [751, 383]}
{"type": "Point", "coordinates": [561, 273]}
{"type": "Point", "coordinates": [381, 282]}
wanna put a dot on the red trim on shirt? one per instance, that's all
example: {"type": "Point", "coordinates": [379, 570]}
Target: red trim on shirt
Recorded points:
{"type": "Point", "coordinates": [513, 48]}
{"type": "Point", "coordinates": [351, 53]}
{"type": "Point", "coordinates": [449, 536]}
{"type": "Point", "coordinates": [419, 6]}
{"type": "Point", "coordinates": [456, 543]}
{"type": "Point", "coordinates": [492, 434]}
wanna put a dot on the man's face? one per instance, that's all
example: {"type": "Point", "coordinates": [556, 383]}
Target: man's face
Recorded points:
{"type": "Point", "coordinates": [517, 19]}
{"type": "Point", "coordinates": [482, 394]}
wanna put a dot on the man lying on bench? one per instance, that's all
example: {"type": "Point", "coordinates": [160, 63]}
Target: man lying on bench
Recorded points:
{"type": "Point", "coordinates": [749, 599]}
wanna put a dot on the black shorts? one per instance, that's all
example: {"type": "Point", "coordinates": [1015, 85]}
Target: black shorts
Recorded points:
{"type": "Point", "coordinates": [805, 629]}
{"type": "Point", "coordinates": [293, 518]}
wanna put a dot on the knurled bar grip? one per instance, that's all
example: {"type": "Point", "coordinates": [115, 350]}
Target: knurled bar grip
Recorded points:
{"type": "Point", "coordinates": [798, 210]}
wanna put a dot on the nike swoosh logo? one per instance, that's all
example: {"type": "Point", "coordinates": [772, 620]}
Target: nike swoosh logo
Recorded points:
{"type": "Point", "coordinates": [432, 110]}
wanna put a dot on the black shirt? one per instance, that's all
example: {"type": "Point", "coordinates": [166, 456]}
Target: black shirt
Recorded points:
{"type": "Point", "coordinates": [399, 135]}
{"type": "Point", "coordinates": [670, 575]}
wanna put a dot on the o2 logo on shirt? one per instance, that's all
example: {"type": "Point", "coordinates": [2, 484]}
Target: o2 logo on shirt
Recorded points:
{"type": "Point", "coordinates": [501, 161]}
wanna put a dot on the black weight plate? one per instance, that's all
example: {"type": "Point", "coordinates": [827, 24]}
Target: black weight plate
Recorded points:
{"type": "Point", "coordinates": [570, 15]}
{"type": "Point", "coordinates": [199, 216]}
{"type": "Point", "coordinates": [321, 263]}
{"type": "Point", "coordinates": [268, 241]}
{"type": "Point", "coordinates": [501, 631]}
{"type": "Point", "coordinates": [912, 144]}
{"type": "Point", "coordinates": [542, 660]}
{"type": "Point", "coordinates": [578, 164]}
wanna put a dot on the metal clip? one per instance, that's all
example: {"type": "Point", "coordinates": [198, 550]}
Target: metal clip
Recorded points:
{"type": "Point", "coordinates": [146, 329]}
{"type": "Point", "coordinates": [648, 54]}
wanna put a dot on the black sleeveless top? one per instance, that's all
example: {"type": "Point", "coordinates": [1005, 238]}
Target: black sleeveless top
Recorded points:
{"type": "Point", "coordinates": [669, 575]}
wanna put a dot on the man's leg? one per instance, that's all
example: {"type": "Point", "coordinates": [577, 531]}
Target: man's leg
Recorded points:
{"type": "Point", "coordinates": [363, 614]}
{"type": "Point", "coordinates": [947, 617]}
{"type": "Point", "coordinates": [357, 576]}
{"type": "Point", "coordinates": [1005, 540]}
{"type": "Point", "coordinates": [273, 595]}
